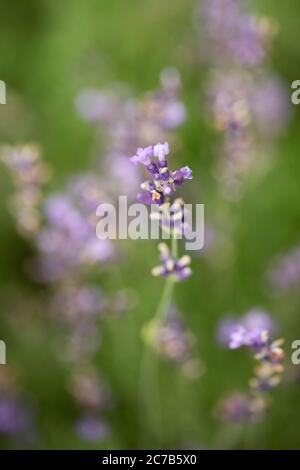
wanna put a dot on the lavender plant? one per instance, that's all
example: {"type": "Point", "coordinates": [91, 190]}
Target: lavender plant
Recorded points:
{"type": "Point", "coordinates": [166, 333]}
{"type": "Point", "coordinates": [246, 102]}
{"type": "Point", "coordinates": [254, 331]}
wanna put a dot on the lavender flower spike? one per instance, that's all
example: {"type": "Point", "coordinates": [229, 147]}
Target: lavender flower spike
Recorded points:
{"type": "Point", "coordinates": [176, 269]}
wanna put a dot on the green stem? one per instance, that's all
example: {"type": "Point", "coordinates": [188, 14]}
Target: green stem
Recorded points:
{"type": "Point", "coordinates": [174, 246]}
{"type": "Point", "coordinates": [167, 294]}
{"type": "Point", "coordinates": [149, 376]}
{"type": "Point", "coordinates": [165, 300]}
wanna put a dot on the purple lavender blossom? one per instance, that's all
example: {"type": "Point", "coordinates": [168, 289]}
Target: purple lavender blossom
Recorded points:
{"type": "Point", "coordinates": [176, 269]}
{"type": "Point", "coordinates": [164, 181]}
{"type": "Point", "coordinates": [29, 173]}
{"type": "Point", "coordinates": [258, 320]}
{"type": "Point", "coordinates": [248, 104]}
{"type": "Point", "coordinates": [68, 241]}
{"type": "Point", "coordinates": [238, 337]}
{"type": "Point", "coordinates": [247, 330]}
{"type": "Point", "coordinates": [253, 331]}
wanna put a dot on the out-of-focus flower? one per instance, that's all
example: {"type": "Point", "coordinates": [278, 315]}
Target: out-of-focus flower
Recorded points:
{"type": "Point", "coordinates": [89, 390]}
{"type": "Point", "coordinates": [29, 174]}
{"type": "Point", "coordinates": [97, 105]}
{"type": "Point", "coordinates": [270, 106]}
{"type": "Point", "coordinates": [284, 272]}
{"type": "Point", "coordinates": [15, 418]}
{"type": "Point", "coordinates": [233, 34]}
{"type": "Point", "coordinates": [241, 408]}
{"type": "Point", "coordinates": [253, 331]}
{"type": "Point", "coordinates": [67, 242]}
{"type": "Point", "coordinates": [92, 398]}
{"type": "Point", "coordinates": [175, 269]}
{"type": "Point", "coordinates": [17, 421]}
{"type": "Point", "coordinates": [170, 338]}
{"type": "Point", "coordinates": [143, 156]}
{"type": "Point", "coordinates": [246, 330]}
{"type": "Point", "coordinates": [248, 105]}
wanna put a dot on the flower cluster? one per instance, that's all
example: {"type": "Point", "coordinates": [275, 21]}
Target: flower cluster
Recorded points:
{"type": "Point", "coordinates": [16, 414]}
{"type": "Point", "coordinates": [235, 332]}
{"type": "Point", "coordinates": [164, 181]}
{"type": "Point", "coordinates": [241, 408]}
{"type": "Point", "coordinates": [128, 123]}
{"type": "Point", "coordinates": [234, 35]}
{"type": "Point", "coordinates": [171, 339]}
{"type": "Point", "coordinates": [93, 399]}
{"type": "Point", "coordinates": [171, 267]}
{"type": "Point", "coordinates": [67, 242]}
{"type": "Point", "coordinates": [166, 332]}
{"type": "Point", "coordinates": [158, 191]}
{"type": "Point", "coordinates": [248, 104]}
{"type": "Point", "coordinates": [253, 332]}
{"type": "Point", "coordinates": [29, 174]}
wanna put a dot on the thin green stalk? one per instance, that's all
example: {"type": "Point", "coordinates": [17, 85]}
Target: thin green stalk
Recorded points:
{"type": "Point", "coordinates": [149, 377]}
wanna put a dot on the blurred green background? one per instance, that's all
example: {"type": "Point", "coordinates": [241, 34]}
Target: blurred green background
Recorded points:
{"type": "Point", "coordinates": [49, 51]}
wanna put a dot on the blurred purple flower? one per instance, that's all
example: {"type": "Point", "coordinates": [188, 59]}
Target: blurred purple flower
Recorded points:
{"type": "Point", "coordinates": [246, 330]}
{"type": "Point", "coordinates": [241, 408]}
{"type": "Point", "coordinates": [16, 420]}
{"type": "Point", "coordinates": [173, 340]}
{"type": "Point", "coordinates": [234, 35]}
{"type": "Point", "coordinates": [284, 272]}
{"type": "Point", "coordinates": [92, 428]}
